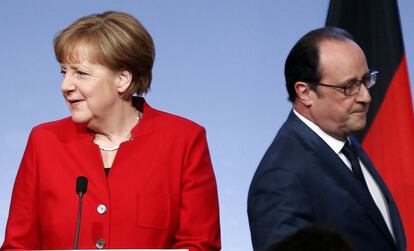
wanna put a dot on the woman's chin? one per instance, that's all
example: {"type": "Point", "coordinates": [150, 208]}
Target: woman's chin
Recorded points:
{"type": "Point", "coordinates": [81, 119]}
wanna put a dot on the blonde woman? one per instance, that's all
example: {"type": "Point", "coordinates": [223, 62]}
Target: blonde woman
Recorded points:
{"type": "Point", "coordinates": [151, 182]}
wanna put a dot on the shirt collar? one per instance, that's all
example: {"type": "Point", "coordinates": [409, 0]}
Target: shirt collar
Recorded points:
{"type": "Point", "coordinates": [332, 142]}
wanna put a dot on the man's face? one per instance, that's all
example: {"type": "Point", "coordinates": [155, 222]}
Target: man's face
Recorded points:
{"type": "Point", "coordinates": [335, 113]}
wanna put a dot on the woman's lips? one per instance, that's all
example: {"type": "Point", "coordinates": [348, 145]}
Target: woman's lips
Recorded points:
{"type": "Point", "coordinates": [75, 103]}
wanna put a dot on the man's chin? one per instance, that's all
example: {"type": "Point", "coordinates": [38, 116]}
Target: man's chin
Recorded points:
{"type": "Point", "coordinates": [359, 125]}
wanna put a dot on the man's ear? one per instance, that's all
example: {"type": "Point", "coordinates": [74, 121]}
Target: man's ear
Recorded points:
{"type": "Point", "coordinates": [304, 93]}
{"type": "Point", "coordinates": [124, 81]}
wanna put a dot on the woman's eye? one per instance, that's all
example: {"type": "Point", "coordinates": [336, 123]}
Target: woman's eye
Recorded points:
{"type": "Point", "coordinates": [63, 72]}
{"type": "Point", "coordinates": [81, 74]}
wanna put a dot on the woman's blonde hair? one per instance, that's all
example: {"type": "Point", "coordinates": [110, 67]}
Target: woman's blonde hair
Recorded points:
{"type": "Point", "coordinates": [113, 39]}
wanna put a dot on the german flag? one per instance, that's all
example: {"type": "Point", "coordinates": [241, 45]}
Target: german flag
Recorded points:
{"type": "Point", "coordinates": [389, 136]}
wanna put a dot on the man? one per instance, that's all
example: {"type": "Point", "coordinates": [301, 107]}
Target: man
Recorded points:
{"type": "Point", "coordinates": [314, 171]}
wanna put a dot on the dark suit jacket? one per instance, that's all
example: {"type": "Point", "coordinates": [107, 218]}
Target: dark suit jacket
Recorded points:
{"type": "Point", "coordinates": [301, 181]}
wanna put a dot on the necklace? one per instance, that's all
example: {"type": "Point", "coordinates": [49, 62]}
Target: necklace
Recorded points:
{"type": "Point", "coordinates": [108, 149]}
{"type": "Point", "coordinates": [115, 147]}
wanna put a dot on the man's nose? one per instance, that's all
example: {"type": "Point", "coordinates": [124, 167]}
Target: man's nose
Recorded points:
{"type": "Point", "coordinates": [363, 95]}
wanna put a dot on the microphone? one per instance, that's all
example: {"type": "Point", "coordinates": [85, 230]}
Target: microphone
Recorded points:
{"type": "Point", "coordinates": [81, 188]}
{"type": "Point", "coordinates": [81, 185]}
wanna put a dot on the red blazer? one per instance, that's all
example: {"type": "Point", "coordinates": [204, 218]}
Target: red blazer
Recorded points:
{"type": "Point", "coordinates": [160, 193]}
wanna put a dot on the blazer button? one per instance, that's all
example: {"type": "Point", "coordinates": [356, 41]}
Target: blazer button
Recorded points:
{"type": "Point", "coordinates": [101, 209]}
{"type": "Point", "coordinates": [100, 244]}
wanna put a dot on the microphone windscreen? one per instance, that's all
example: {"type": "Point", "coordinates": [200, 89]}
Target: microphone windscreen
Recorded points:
{"type": "Point", "coordinates": [81, 184]}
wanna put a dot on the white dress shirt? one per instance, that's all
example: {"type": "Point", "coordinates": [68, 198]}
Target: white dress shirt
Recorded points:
{"type": "Point", "coordinates": [336, 145]}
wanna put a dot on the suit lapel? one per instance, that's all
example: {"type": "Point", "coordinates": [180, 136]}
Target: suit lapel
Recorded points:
{"type": "Point", "coordinates": [330, 162]}
{"type": "Point", "coordinates": [393, 210]}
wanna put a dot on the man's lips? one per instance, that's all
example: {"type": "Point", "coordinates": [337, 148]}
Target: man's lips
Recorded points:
{"type": "Point", "coordinates": [361, 112]}
{"type": "Point", "coordinates": [361, 109]}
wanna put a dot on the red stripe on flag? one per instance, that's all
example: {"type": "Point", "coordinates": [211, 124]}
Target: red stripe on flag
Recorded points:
{"type": "Point", "coordinates": [390, 145]}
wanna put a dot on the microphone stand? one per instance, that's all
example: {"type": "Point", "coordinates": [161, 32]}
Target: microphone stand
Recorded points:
{"type": "Point", "coordinates": [81, 188]}
{"type": "Point", "coordinates": [75, 245]}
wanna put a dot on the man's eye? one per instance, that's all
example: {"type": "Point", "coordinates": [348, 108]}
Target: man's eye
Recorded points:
{"type": "Point", "coordinates": [351, 84]}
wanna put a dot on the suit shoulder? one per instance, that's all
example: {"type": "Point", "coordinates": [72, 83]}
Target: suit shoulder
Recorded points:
{"type": "Point", "coordinates": [288, 151]}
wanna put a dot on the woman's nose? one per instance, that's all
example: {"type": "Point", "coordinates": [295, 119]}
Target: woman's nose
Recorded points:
{"type": "Point", "coordinates": [67, 84]}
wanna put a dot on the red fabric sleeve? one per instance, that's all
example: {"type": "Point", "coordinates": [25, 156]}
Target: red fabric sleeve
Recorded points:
{"type": "Point", "coordinates": [199, 213]}
{"type": "Point", "coordinates": [22, 231]}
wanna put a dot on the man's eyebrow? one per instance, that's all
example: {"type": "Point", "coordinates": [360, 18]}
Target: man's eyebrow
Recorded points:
{"type": "Point", "coordinates": [355, 78]}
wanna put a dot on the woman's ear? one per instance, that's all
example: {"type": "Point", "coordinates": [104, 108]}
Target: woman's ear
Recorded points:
{"type": "Point", "coordinates": [124, 81]}
{"type": "Point", "coordinates": [304, 93]}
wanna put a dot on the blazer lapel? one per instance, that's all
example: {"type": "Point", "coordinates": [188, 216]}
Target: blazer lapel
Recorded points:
{"type": "Point", "coordinates": [336, 168]}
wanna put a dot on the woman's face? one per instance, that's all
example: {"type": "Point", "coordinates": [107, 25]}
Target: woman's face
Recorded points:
{"type": "Point", "coordinates": [90, 90]}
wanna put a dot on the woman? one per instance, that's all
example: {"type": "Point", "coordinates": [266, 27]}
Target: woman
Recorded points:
{"type": "Point", "coordinates": [151, 183]}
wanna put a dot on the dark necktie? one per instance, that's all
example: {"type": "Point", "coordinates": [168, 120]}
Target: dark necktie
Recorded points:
{"type": "Point", "coordinates": [349, 152]}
